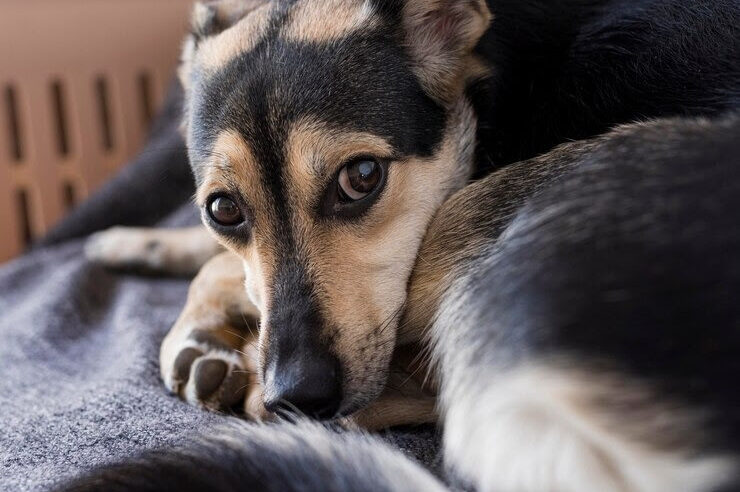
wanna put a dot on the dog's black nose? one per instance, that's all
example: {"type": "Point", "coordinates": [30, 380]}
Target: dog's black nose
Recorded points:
{"type": "Point", "coordinates": [308, 383]}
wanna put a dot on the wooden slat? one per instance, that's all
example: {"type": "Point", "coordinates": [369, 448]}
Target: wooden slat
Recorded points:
{"type": "Point", "coordinates": [87, 157]}
{"type": "Point", "coordinates": [44, 160]}
{"type": "Point", "coordinates": [11, 241]}
{"type": "Point", "coordinates": [129, 120]}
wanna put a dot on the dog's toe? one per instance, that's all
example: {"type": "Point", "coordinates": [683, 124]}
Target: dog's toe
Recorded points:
{"type": "Point", "coordinates": [234, 388]}
{"type": "Point", "coordinates": [181, 370]}
{"type": "Point", "coordinates": [209, 377]}
{"type": "Point", "coordinates": [208, 374]}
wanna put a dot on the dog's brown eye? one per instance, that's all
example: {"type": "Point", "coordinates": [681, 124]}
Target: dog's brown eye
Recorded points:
{"type": "Point", "coordinates": [355, 188]}
{"type": "Point", "coordinates": [358, 178]}
{"type": "Point", "coordinates": [224, 211]}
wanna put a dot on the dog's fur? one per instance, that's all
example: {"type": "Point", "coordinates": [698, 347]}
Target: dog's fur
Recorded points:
{"type": "Point", "coordinates": [578, 305]}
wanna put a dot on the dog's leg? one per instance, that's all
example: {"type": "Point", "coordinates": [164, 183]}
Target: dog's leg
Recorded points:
{"type": "Point", "coordinates": [172, 251]}
{"type": "Point", "coordinates": [209, 356]}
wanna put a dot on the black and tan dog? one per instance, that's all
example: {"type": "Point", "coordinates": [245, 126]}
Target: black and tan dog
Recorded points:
{"type": "Point", "coordinates": [578, 305]}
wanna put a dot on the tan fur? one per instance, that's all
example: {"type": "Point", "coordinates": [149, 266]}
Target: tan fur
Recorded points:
{"type": "Point", "coordinates": [216, 51]}
{"type": "Point", "coordinates": [314, 150]}
{"type": "Point", "coordinates": [347, 263]}
{"type": "Point", "coordinates": [321, 21]}
{"type": "Point", "coordinates": [462, 229]}
{"type": "Point", "coordinates": [235, 169]}
{"type": "Point", "coordinates": [232, 165]}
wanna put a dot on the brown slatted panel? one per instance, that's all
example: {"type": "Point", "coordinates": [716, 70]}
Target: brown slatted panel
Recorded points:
{"type": "Point", "coordinates": [52, 51]}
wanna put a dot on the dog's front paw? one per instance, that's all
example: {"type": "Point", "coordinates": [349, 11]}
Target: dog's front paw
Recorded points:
{"type": "Point", "coordinates": [123, 247]}
{"type": "Point", "coordinates": [174, 251]}
{"type": "Point", "coordinates": [212, 375]}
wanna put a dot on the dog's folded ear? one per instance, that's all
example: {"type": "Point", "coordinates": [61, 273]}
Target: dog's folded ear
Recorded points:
{"type": "Point", "coordinates": [441, 35]}
{"type": "Point", "coordinates": [208, 18]}
{"type": "Point", "coordinates": [213, 16]}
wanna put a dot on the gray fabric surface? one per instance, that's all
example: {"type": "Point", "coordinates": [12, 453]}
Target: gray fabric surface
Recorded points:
{"type": "Point", "coordinates": [79, 377]}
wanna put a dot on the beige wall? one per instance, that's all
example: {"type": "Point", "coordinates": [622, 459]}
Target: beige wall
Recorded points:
{"type": "Point", "coordinates": [79, 80]}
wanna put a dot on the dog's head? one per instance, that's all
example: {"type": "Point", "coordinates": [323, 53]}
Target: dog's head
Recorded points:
{"type": "Point", "coordinates": [324, 135]}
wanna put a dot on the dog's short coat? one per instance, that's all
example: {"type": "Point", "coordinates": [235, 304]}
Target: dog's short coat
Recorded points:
{"type": "Point", "coordinates": [576, 298]}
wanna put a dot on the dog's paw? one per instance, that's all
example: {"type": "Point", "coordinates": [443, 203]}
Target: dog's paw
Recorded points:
{"type": "Point", "coordinates": [215, 377]}
{"type": "Point", "coordinates": [126, 248]}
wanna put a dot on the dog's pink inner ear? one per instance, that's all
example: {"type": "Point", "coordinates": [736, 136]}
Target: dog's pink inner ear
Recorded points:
{"type": "Point", "coordinates": [441, 35]}
{"type": "Point", "coordinates": [213, 16]}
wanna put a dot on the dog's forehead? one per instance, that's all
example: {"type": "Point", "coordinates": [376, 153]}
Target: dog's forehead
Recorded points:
{"type": "Point", "coordinates": [354, 75]}
{"type": "Point", "coordinates": [306, 20]}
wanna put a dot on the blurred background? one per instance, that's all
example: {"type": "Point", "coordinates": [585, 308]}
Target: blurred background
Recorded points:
{"type": "Point", "coordinates": [80, 81]}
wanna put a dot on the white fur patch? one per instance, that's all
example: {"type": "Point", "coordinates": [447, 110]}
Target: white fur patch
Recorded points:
{"type": "Point", "coordinates": [535, 429]}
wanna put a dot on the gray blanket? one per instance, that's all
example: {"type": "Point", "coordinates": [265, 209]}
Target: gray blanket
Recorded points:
{"type": "Point", "coordinates": [79, 377]}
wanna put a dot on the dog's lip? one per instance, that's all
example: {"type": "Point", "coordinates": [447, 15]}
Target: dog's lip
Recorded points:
{"type": "Point", "coordinates": [354, 405]}
{"type": "Point", "coordinates": [292, 417]}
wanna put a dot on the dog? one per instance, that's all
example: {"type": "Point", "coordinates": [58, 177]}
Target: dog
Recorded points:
{"type": "Point", "coordinates": [541, 195]}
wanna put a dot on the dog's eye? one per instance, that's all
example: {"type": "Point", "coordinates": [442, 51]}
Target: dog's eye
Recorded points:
{"type": "Point", "coordinates": [224, 211]}
{"type": "Point", "coordinates": [358, 179]}
{"type": "Point", "coordinates": [354, 190]}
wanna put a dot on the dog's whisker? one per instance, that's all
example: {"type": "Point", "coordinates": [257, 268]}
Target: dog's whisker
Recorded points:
{"type": "Point", "coordinates": [231, 332]}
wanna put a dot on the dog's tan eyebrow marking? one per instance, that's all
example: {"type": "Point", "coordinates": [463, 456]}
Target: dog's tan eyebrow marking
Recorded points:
{"type": "Point", "coordinates": [233, 165]}
{"type": "Point", "coordinates": [314, 150]}
{"type": "Point", "coordinates": [327, 20]}
{"type": "Point", "coordinates": [217, 51]}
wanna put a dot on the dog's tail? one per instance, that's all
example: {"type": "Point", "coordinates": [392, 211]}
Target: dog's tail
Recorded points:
{"type": "Point", "coordinates": [282, 457]}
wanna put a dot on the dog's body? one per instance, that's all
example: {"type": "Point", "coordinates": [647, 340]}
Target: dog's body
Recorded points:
{"type": "Point", "coordinates": [578, 305]}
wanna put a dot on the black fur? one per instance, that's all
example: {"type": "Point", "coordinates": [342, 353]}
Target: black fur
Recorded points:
{"type": "Point", "coordinates": [572, 69]}
{"type": "Point", "coordinates": [288, 457]}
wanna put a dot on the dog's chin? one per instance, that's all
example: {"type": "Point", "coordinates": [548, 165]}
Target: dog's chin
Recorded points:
{"type": "Point", "coordinates": [362, 397]}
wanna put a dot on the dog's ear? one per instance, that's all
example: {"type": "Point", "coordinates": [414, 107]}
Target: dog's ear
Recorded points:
{"type": "Point", "coordinates": [213, 16]}
{"type": "Point", "coordinates": [441, 35]}
{"type": "Point", "coordinates": [208, 18]}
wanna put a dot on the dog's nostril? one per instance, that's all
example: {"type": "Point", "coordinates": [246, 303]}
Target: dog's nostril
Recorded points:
{"type": "Point", "coordinates": [307, 386]}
